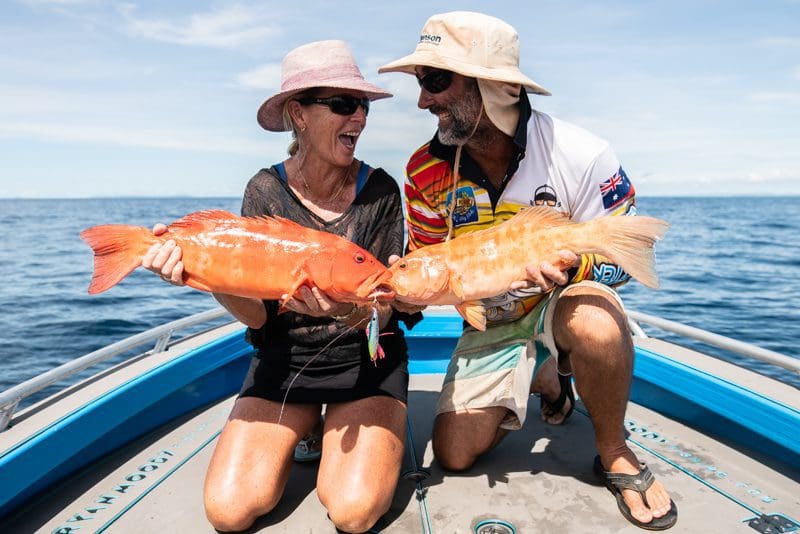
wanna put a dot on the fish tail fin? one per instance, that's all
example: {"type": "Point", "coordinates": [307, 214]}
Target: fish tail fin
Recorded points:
{"type": "Point", "coordinates": [118, 250]}
{"type": "Point", "coordinates": [631, 243]}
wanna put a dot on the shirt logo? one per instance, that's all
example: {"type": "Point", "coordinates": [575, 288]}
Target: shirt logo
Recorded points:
{"type": "Point", "coordinates": [616, 190]}
{"type": "Point", "coordinates": [609, 274]}
{"type": "Point", "coordinates": [545, 196]}
{"type": "Point", "coordinates": [465, 209]}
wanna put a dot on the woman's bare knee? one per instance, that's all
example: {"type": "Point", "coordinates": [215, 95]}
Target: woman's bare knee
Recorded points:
{"type": "Point", "coordinates": [228, 518]}
{"type": "Point", "coordinates": [356, 513]}
{"type": "Point", "coordinates": [232, 510]}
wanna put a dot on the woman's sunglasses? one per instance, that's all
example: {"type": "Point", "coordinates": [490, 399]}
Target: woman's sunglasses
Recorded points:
{"type": "Point", "coordinates": [339, 104]}
{"type": "Point", "coordinates": [435, 81]}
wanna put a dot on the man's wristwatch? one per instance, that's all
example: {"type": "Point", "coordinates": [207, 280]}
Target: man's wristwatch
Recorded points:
{"type": "Point", "coordinates": [347, 316]}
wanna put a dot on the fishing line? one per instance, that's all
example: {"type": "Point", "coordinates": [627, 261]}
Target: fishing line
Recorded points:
{"type": "Point", "coordinates": [331, 342]}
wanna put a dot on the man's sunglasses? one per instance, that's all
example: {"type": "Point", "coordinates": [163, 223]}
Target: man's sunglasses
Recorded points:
{"type": "Point", "coordinates": [339, 104]}
{"type": "Point", "coordinates": [435, 81]}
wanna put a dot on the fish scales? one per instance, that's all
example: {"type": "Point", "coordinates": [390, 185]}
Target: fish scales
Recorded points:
{"type": "Point", "coordinates": [259, 257]}
{"type": "Point", "coordinates": [485, 263]}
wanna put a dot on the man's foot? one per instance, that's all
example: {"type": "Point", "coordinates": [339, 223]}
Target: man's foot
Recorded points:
{"type": "Point", "coordinates": [641, 498]}
{"type": "Point", "coordinates": [557, 411]}
{"type": "Point", "coordinates": [310, 447]}
{"type": "Point", "coordinates": [556, 396]}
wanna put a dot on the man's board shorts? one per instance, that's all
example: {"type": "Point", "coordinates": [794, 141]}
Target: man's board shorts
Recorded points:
{"type": "Point", "coordinates": [497, 367]}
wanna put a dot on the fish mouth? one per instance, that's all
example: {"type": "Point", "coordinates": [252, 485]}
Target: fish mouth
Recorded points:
{"type": "Point", "coordinates": [377, 287]}
{"type": "Point", "coordinates": [383, 293]}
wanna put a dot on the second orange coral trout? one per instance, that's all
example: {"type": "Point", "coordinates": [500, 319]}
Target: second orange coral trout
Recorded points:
{"type": "Point", "coordinates": [261, 257]}
{"type": "Point", "coordinates": [484, 263]}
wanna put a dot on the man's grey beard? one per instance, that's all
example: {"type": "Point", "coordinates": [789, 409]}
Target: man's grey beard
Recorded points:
{"type": "Point", "coordinates": [466, 114]}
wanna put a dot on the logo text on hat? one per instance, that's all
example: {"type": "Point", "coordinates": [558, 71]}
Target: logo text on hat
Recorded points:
{"type": "Point", "coordinates": [427, 38]}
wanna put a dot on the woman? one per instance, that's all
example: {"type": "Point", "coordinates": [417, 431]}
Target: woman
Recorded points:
{"type": "Point", "coordinates": [316, 353]}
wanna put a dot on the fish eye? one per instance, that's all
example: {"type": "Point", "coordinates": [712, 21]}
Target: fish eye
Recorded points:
{"type": "Point", "coordinates": [402, 265]}
{"type": "Point", "coordinates": [359, 258]}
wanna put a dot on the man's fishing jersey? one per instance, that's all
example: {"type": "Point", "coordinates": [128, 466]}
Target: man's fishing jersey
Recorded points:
{"type": "Point", "coordinates": [556, 164]}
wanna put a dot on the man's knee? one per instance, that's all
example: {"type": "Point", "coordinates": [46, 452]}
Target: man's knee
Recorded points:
{"type": "Point", "coordinates": [460, 438]}
{"type": "Point", "coordinates": [451, 452]}
{"type": "Point", "coordinates": [451, 460]}
{"type": "Point", "coordinates": [590, 315]}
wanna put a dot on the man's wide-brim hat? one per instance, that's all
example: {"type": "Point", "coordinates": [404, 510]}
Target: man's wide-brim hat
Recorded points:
{"type": "Point", "coordinates": [317, 64]}
{"type": "Point", "coordinates": [471, 44]}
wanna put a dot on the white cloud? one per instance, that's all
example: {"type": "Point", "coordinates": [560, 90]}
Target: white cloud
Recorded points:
{"type": "Point", "coordinates": [777, 96]}
{"type": "Point", "coordinates": [57, 3]}
{"type": "Point", "coordinates": [30, 100]}
{"type": "Point", "coordinates": [160, 138]}
{"type": "Point", "coordinates": [264, 77]}
{"type": "Point", "coordinates": [229, 27]}
{"type": "Point", "coordinates": [772, 175]}
{"type": "Point", "coordinates": [743, 176]}
{"type": "Point", "coordinates": [780, 42]}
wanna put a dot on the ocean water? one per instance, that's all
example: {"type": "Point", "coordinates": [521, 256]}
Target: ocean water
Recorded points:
{"type": "Point", "coordinates": [727, 265]}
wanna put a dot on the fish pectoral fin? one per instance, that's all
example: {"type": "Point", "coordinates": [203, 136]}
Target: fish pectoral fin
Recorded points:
{"type": "Point", "coordinates": [455, 285]}
{"type": "Point", "coordinates": [474, 313]}
{"type": "Point", "coordinates": [301, 277]}
{"type": "Point", "coordinates": [191, 282]}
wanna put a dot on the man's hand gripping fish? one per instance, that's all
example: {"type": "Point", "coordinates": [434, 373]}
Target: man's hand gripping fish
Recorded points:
{"type": "Point", "coordinates": [484, 263]}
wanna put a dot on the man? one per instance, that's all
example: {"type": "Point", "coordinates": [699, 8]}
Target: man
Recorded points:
{"type": "Point", "coordinates": [509, 157]}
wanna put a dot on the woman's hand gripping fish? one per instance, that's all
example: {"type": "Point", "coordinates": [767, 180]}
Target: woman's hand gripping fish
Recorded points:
{"type": "Point", "coordinates": [485, 263]}
{"type": "Point", "coordinates": [261, 257]}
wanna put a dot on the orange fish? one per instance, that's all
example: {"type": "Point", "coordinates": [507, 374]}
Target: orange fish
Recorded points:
{"type": "Point", "coordinates": [261, 257]}
{"type": "Point", "coordinates": [484, 263]}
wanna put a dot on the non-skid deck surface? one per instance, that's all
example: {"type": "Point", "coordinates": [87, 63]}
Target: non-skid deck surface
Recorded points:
{"type": "Point", "coordinates": [539, 479]}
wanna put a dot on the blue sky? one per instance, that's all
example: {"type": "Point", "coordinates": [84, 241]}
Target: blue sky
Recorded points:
{"type": "Point", "coordinates": [136, 98]}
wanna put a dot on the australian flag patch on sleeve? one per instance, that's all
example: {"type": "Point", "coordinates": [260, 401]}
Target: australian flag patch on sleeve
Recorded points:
{"type": "Point", "coordinates": [616, 190]}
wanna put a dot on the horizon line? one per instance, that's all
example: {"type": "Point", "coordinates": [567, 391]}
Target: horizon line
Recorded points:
{"type": "Point", "coordinates": [151, 197]}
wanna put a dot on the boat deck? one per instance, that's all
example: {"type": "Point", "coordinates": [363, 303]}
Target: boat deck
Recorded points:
{"type": "Point", "coordinates": [539, 479]}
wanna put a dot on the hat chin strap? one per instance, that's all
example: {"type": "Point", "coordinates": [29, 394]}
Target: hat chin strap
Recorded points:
{"type": "Point", "coordinates": [456, 176]}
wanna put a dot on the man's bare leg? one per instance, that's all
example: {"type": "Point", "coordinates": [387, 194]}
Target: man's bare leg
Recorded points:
{"type": "Point", "coordinates": [459, 438]}
{"type": "Point", "coordinates": [591, 330]}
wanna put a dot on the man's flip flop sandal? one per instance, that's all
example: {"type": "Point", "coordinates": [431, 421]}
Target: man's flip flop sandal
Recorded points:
{"type": "Point", "coordinates": [565, 381]}
{"type": "Point", "coordinates": [616, 482]}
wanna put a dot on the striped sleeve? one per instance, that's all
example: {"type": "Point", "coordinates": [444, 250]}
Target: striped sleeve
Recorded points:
{"type": "Point", "coordinates": [427, 182]}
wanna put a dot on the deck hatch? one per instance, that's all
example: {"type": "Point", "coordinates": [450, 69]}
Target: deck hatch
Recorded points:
{"type": "Point", "coordinates": [494, 526]}
{"type": "Point", "coordinates": [773, 524]}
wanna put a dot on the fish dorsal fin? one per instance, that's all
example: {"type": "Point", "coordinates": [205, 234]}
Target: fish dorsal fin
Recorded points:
{"type": "Point", "coordinates": [280, 220]}
{"type": "Point", "coordinates": [474, 313]}
{"type": "Point", "coordinates": [199, 217]}
{"type": "Point", "coordinates": [541, 217]}
{"type": "Point", "coordinates": [219, 216]}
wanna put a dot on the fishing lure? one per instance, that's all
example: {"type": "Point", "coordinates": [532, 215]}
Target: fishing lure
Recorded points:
{"type": "Point", "coordinates": [372, 331]}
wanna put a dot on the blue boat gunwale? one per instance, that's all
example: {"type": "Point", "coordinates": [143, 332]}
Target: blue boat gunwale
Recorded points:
{"type": "Point", "coordinates": [170, 389]}
{"type": "Point", "coordinates": [47, 456]}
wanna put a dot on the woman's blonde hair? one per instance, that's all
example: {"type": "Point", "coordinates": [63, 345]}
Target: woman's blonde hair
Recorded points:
{"type": "Point", "coordinates": [289, 124]}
